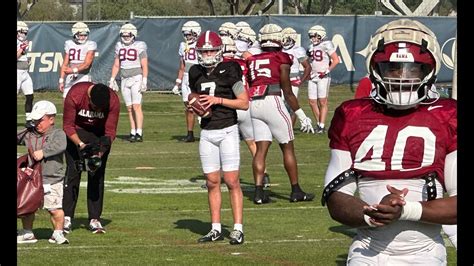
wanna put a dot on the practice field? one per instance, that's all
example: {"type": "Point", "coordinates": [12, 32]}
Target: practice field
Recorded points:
{"type": "Point", "coordinates": [155, 206]}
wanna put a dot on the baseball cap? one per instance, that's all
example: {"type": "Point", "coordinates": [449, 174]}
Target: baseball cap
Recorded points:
{"type": "Point", "coordinates": [41, 109]}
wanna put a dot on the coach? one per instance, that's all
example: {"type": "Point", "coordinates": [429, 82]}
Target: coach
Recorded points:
{"type": "Point", "coordinates": [91, 113]}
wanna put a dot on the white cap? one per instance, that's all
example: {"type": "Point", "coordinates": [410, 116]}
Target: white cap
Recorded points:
{"type": "Point", "coordinates": [41, 109]}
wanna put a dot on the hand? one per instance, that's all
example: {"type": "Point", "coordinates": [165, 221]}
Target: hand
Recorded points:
{"type": "Point", "coordinates": [176, 90]}
{"type": "Point", "coordinates": [389, 209]}
{"type": "Point", "coordinates": [38, 155]}
{"type": "Point", "coordinates": [296, 81]}
{"type": "Point", "coordinates": [324, 74]}
{"type": "Point", "coordinates": [143, 85]}
{"type": "Point", "coordinates": [113, 84]}
{"type": "Point", "coordinates": [306, 125]}
{"type": "Point", "coordinates": [24, 46]}
{"type": "Point", "coordinates": [61, 87]}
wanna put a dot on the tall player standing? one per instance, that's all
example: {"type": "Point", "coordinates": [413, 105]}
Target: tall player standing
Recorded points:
{"type": "Point", "coordinates": [23, 79]}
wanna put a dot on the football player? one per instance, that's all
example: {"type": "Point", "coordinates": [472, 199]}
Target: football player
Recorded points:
{"type": "Point", "coordinates": [23, 79]}
{"type": "Point", "coordinates": [220, 87]}
{"type": "Point", "coordinates": [298, 55]}
{"type": "Point", "coordinates": [132, 61]}
{"type": "Point", "coordinates": [323, 59]}
{"type": "Point", "coordinates": [187, 58]}
{"type": "Point", "coordinates": [270, 76]}
{"type": "Point", "coordinates": [400, 146]}
{"type": "Point", "coordinates": [228, 29]}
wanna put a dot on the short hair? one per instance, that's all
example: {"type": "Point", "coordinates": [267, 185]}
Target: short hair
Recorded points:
{"type": "Point", "coordinates": [100, 96]}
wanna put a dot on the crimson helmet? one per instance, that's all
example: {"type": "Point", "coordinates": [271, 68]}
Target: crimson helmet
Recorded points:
{"type": "Point", "coordinates": [403, 61]}
{"type": "Point", "coordinates": [209, 41]}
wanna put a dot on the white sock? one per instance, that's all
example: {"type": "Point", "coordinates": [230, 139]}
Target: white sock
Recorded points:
{"type": "Point", "coordinates": [321, 125]}
{"type": "Point", "coordinates": [216, 226]}
{"type": "Point", "coordinates": [139, 131]}
{"type": "Point", "coordinates": [133, 131]}
{"type": "Point", "coordinates": [239, 227]}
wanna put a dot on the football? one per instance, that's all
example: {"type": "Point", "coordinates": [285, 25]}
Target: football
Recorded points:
{"type": "Point", "coordinates": [197, 106]}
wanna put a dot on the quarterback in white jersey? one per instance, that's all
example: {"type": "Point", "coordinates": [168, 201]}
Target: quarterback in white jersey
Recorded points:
{"type": "Point", "coordinates": [132, 61]}
{"type": "Point", "coordinates": [298, 55]}
{"type": "Point", "coordinates": [324, 59]}
{"type": "Point", "coordinates": [187, 58]}
{"type": "Point", "coordinates": [78, 58]}
{"type": "Point", "coordinates": [23, 79]}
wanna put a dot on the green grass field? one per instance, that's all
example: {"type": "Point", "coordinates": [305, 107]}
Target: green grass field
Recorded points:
{"type": "Point", "coordinates": [155, 208]}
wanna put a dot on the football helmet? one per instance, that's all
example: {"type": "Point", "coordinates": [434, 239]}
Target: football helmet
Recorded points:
{"type": "Point", "coordinates": [271, 36]}
{"type": "Point", "coordinates": [247, 35]}
{"type": "Point", "coordinates": [289, 37]}
{"type": "Point", "coordinates": [191, 31]}
{"type": "Point", "coordinates": [21, 30]}
{"type": "Point", "coordinates": [128, 32]}
{"type": "Point", "coordinates": [241, 25]}
{"type": "Point", "coordinates": [207, 42]}
{"type": "Point", "coordinates": [228, 48]}
{"type": "Point", "coordinates": [228, 29]}
{"type": "Point", "coordinates": [316, 34]}
{"type": "Point", "coordinates": [403, 60]}
{"type": "Point", "coordinates": [80, 32]}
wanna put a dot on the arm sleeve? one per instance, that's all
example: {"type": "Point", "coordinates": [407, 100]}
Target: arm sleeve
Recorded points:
{"type": "Point", "coordinates": [56, 145]}
{"type": "Point", "coordinates": [451, 173]}
{"type": "Point", "coordinates": [340, 161]}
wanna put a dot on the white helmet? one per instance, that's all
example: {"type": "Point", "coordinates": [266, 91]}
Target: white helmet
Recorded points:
{"type": "Point", "coordinates": [191, 31]}
{"type": "Point", "coordinates": [128, 32]}
{"type": "Point", "coordinates": [271, 36]}
{"type": "Point", "coordinates": [247, 35]}
{"type": "Point", "coordinates": [241, 25]}
{"type": "Point", "coordinates": [80, 28]}
{"type": "Point", "coordinates": [21, 30]}
{"type": "Point", "coordinates": [228, 29]}
{"type": "Point", "coordinates": [403, 60]}
{"type": "Point", "coordinates": [317, 31]}
{"type": "Point", "coordinates": [229, 48]}
{"type": "Point", "coordinates": [289, 37]}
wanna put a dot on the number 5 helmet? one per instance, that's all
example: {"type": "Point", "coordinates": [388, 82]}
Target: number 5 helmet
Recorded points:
{"type": "Point", "coordinates": [128, 32]}
{"type": "Point", "coordinates": [209, 49]}
{"type": "Point", "coordinates": [403, 61]}
{"type": "Point", "coordinates": [271, 36]}
{"type": "Point", "coordinates": [191, 31]}
{"type": "Point", "coordinates": [80, 28]}
{"type": "Point", "coordinates": [317, 31]}
{"type": "Point", "coordinates": [21, 30]}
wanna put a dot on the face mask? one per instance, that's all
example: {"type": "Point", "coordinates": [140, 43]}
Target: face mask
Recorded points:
{"type": "Point", "coordinates": [403, 98]}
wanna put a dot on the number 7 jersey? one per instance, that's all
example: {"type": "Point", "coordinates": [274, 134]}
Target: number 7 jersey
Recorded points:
{"type": "Point", "coordinates": [384, 145]}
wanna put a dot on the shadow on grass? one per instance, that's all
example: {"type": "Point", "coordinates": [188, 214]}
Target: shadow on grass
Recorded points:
{"type": "Point", "coordinates": [181, 138]}
{"type": "Point", "coordinates": [198, 227]}
{"type": "Point", "coordinates": [345, 230]}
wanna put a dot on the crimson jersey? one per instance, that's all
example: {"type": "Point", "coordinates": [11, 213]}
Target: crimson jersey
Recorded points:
{"type": "Point", "coordinates": [79, 114]}
{"type": "Point", "coordinates": [264, 68]}
{"type": "Point", "coordinates": [387, 146]}
{"type": "Point", "coordinates": [218, 83]}
{"type": "Point", "coordinates": [245, 70]}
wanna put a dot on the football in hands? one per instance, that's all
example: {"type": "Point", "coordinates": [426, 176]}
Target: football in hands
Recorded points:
{"type": "Point", "coordinates": [197, 107]}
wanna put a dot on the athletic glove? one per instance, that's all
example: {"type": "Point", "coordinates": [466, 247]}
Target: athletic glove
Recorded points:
{"type": "Point", "coordinates": [305, 121]}
{"type": "Point", "coordinates": [113, 84]}
{"type": "Point", "coordinates": [176, 90]}
{"type": "Point", "coordinates": [143, 86]}
{"type": "Point", "coordinates": [323, 74]}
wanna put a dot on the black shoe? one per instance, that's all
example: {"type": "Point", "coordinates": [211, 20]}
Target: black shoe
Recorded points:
{"type": "Point", "coordinates": [260, 197]}
{"type": "Point", "coordinates": [236, 237]}
{"type": "Point", "coordinates": [189, 138]}
{"type": "Point", "coordinates": [266, 180]}
{"type": "Point", "coordinates": [138, 138]}
{"type": "Point", "coordinates": [132, 138]}
{"type": "Point", "coordinates": [301, 196]}
{"type": "Point", "coordinates": [212, 236]}
{"type": "Point", "coordinates": [320, 130]}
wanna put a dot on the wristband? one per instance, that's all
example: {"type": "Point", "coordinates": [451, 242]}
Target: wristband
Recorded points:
{"type": "Point", "coordinates": [61, 80]}
{"type": "Point", "coordinates": [80, 144]}
{"type": "Point", "coordinates": [300, 114]}
{"type": "Point", "coordinates": [411, 211]}
{"type": "Point", "coordinates": [178, 81]}
{"type": "Point", "coordinates": [367, 220]}
{"type": "Point", "coordinates": [112, 79]}
{"type": "Point", "coordinates": [74, 70]}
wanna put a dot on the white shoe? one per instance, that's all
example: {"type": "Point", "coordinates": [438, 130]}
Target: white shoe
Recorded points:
{"type": "Point", "coordinates": [67, 225]}
{"type": "Point", "coordinates": [58, 238]}
{"type": "Point", "coordinates": [96, 227]}
{"type": "Point", "coordinates": [26, 238]}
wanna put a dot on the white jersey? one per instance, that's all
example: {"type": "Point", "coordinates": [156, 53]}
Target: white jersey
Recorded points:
{"type": "Point", "coordinates": [77, 52]}
{"type": "Point", "coordinates": [298, 55]}
{"type": "Point", "coordinates": [321, 55]}
{"type": "Point", "coordinates": [188, 53]}
{"type": "Point", "coordinates": [130, 55]}
{"type": "Point", "coordinates": [23, 57]}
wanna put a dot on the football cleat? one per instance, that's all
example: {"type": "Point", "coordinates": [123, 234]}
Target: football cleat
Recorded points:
{"type": "Point", "coordinates": [301, 196]}
{"type": "Point", "coordinates": [212, 236]}
{"type": "Point", "coordinates": [236, 237]}
{"type": "Point", "coordinates": [260, 197]}
{"type": "Point", "coordinates": [320, 130]}
{"type": "Point", "coordinates": [138, 138]}
{"type": "Point", "coordinates": [132, 138]}
{"type": "Point", "coordinates": [189, 138]}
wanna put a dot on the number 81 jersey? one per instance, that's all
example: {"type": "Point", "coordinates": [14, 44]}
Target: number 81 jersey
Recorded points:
{"type": "Point", "coordinates": [130, 55]}
{"type": "Point", "coordinates": [395, 144]}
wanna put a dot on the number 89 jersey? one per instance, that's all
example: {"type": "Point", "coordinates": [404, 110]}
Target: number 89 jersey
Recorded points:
{"type": "Point", "coordinates": [394, 146]}
{"type": "Point", "coordinates": [130, 55]}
